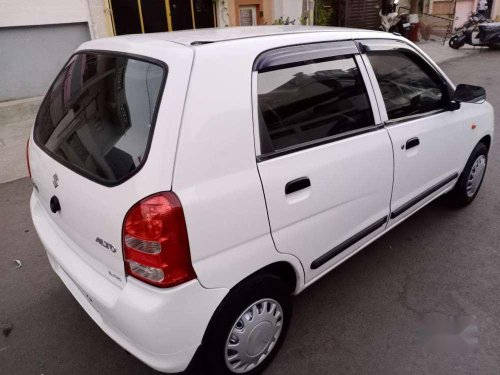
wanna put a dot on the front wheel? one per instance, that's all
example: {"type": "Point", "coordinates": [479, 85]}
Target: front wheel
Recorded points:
{"type": "Point", "coordinates": [249, 327]}
{"type": "Point", "coordinates": [472, 176]}
{"type": "Point", "coordinates": [455, 43]}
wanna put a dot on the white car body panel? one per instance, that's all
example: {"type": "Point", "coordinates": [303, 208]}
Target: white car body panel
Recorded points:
{"type": "Point", "coordinates": [417, 170]}
{"type": "Point", "coordinates": [311, 222]}
{"type": "Point", "coordinates": [91, 210]}
{"type": "Point", "coordinates": [204, 149]}
{"type": "Point", "coordinates": [216, 179]}
{"type": "Point", "coordinates": [161, 327]}
{"type": "Point", "coordinates": [428, 164]}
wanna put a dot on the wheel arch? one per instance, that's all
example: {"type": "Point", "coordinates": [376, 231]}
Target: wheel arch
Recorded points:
{"type": "Point", "coordinates": [486, 140]}
{"type": "Point", "coordinates": [282, 269]}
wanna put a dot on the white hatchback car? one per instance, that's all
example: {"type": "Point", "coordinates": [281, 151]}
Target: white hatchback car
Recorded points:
{"type": "Point", "coordinates": [187, 184]}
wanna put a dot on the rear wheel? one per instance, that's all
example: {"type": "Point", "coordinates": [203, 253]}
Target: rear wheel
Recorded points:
{"type": "Point", "coordinates": [249, 327]}
{"type": "Point", "coordinates": [470, 180]}
{"type": "Point", "coordinates": [455, 43]}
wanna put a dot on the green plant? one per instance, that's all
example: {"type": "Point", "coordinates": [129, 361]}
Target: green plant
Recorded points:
{"type": "Point", "coordinates": [323, 13]}
{"type": "Point", "coordinates": [284, 21]}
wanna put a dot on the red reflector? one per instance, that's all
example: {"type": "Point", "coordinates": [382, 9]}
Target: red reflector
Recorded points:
{"type": "Point", "coordinates": [155, 241]}
{"type": "Point", "coordinates": [28, 157]}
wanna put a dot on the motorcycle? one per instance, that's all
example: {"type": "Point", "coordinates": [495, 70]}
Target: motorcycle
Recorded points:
{"type": "Point", "coordinates": [392, 22]}
{"type": "Point", "coordinates": [477, 31]}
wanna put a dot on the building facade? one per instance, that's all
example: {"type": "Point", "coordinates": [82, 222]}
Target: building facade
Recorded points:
{"type": "Point", "coordinates": [138, 16]}
{"type": "Point", "coordinates": [490, 8]}
{"type": "Point", "coordinates": [37, 36]}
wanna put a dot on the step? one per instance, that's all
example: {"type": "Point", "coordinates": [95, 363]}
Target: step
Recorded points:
{"type": "Point", "coordinates": [14, 111]}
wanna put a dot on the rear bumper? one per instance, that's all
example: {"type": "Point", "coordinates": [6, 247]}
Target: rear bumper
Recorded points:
{"type": "Point", "coordinates": [161, 327]}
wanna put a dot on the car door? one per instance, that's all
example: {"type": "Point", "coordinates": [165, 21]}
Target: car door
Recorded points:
{"type": "Point", "coordinates": [324, 159]}
{"type": "Point", "coordinates": [429, 134]}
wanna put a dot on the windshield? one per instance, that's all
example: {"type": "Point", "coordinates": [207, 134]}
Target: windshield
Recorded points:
{"type": "Point", "coordinates": [99, 114]}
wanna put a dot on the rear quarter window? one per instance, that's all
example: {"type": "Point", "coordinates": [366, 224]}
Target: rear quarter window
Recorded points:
{"type": "Point", "coordinates": [98, 116]}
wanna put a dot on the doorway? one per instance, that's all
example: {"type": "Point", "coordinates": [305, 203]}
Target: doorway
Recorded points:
{"type": "Point", "coordinates": [327, 13]}
{"type": "Point", "coordinates": [249, 12]}
{"type": "Point", "coordinates": [248, 15]}
{"type": "Point", "coordinates": [181, 13]}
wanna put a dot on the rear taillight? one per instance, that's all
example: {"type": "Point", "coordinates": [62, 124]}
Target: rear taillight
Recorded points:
{"type": "Point", "coordinates": [155, 241]}
{"type": "Point", "coordinates": [28, 157]}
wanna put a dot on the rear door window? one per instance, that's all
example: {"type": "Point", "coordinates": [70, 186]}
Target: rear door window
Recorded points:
{"type": "Point", "coordinates": [312, 101]}
{"type": "Point", "coordinates": [98, 116]}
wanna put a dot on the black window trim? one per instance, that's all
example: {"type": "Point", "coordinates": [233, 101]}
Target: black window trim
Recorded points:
{"type": "Point", "coordinates": [319, 142]}
{"type": "Point", "coordinates": [416, 116]}
{"type": "Point", "coordinates": [405, 45]}
{"type": "Point", "coordinates": [401, 44]}
{"type": "Point", "coordinates": [83, 172]}
{"type": "Point", "coordinates": [277, 57]}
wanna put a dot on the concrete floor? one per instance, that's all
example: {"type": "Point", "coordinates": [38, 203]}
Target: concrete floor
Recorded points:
{"type": "Point", "coordinates": [362, 318]}
{"type": "Point", "coordinates": [16, 120]}
{"type": "Point", "coordinates": [13, 137]}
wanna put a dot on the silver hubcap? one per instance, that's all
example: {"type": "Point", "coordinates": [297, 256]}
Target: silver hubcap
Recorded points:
{"type": "Point", "coordinates": [476, 175]}
{"type": "Point", "coordinates": [254, 335]}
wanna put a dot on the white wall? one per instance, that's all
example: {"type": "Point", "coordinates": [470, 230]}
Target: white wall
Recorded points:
{"type": "Point", "coordinates": [462, 11]}
{"type": "Point", "coordinates": [288, 8]}
{"type": "Point", "coordinates": [50, 12]}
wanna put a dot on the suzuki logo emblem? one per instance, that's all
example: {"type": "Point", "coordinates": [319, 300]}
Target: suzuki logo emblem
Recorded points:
{"type": "Point", "coordinates": [55, 180]}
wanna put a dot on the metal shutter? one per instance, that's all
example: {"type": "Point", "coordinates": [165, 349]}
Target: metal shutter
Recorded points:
{"type": "Point", "coordinates": [362, 14]}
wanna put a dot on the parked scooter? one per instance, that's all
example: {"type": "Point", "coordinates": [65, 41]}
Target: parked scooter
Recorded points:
{"type": "Point", "coordinates": [392, 22]}
{"type": "Point", "coordinates": [477, 31]}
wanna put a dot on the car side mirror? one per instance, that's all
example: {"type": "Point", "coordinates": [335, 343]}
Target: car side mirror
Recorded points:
{"type": "Point", "coordinates": [469, 94]}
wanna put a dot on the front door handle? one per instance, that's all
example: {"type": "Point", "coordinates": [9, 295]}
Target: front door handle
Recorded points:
{"type": "Point", "coordinates": [297, 184]}
{"type": "Point", "coordinates": [413, 142]}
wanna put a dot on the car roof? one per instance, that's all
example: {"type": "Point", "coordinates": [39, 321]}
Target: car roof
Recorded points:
{"type": "Point", "coordinates": [212, 35]}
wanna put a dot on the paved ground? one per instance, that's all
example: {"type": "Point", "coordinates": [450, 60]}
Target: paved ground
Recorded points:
{"type": "Point", "coordinates": [13, 137]}
{"type": "Point", "coordinates": [16, 120]}
{"type": "Point", "coordinates": [360, 319]}
{"type": "Point", "coordinates": [440, 52]}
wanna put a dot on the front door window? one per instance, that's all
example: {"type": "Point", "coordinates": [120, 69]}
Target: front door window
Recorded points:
{"type": "Point", "coordinates": [409, 86]}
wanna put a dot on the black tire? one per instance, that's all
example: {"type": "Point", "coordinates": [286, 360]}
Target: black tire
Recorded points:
{"type": "Point", "coordinates": [455, 43]}
{"type": "Point", "coordinates": [459, 194]}
{"type": "Point", "coordinates": [236, 302]}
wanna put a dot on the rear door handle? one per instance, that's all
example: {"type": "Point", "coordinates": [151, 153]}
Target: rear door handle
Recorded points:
{"type": "Point", "coordinates": [297, 184]}
{"type": "Point", "coordinates": [413, 142]}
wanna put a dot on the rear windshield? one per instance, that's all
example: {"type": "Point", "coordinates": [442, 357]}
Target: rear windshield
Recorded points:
{"type": "Point", "coordinates": [98, 116]}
